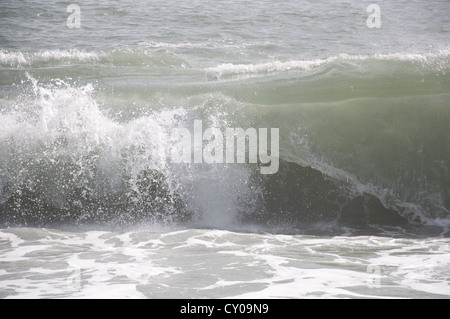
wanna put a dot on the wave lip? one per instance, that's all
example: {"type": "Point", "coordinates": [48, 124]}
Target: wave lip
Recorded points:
{"type": "Point", "coordinates": [436, 60]}
{"type": "Point", "coordinates": [268, 67]}
{"type": "Point", "coordinates": [120, 58]}
{"type": "Point", "coordinates": [19, 59]}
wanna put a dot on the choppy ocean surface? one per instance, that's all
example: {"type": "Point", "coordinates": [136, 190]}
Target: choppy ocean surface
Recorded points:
{"type": "Point", "coordinates": [92, 206]}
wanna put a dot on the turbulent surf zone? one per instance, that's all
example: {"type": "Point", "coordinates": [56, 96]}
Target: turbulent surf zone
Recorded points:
{"type": "Point", "coordinates": [224, 149]}
{"type": "Point", "coordinates": [363, 142]}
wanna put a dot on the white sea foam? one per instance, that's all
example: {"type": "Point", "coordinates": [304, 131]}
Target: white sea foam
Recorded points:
{"type": "Point", "coordinates": [202, 263]}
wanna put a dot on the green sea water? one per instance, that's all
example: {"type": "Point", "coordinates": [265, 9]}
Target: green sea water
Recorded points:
{"type": "Point", "coordinates": [89, 193]}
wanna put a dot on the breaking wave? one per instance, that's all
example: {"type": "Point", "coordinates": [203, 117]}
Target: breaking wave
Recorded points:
{"type": "Point", "coordinates": [364, 143]}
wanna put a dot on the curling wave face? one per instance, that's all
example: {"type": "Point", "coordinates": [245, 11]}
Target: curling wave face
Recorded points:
{"type": "Point", "coordinates": [364, 141]}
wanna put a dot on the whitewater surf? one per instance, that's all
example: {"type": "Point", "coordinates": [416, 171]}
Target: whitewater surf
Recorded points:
{"type": "Point", "coordinates": [224, 149]}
